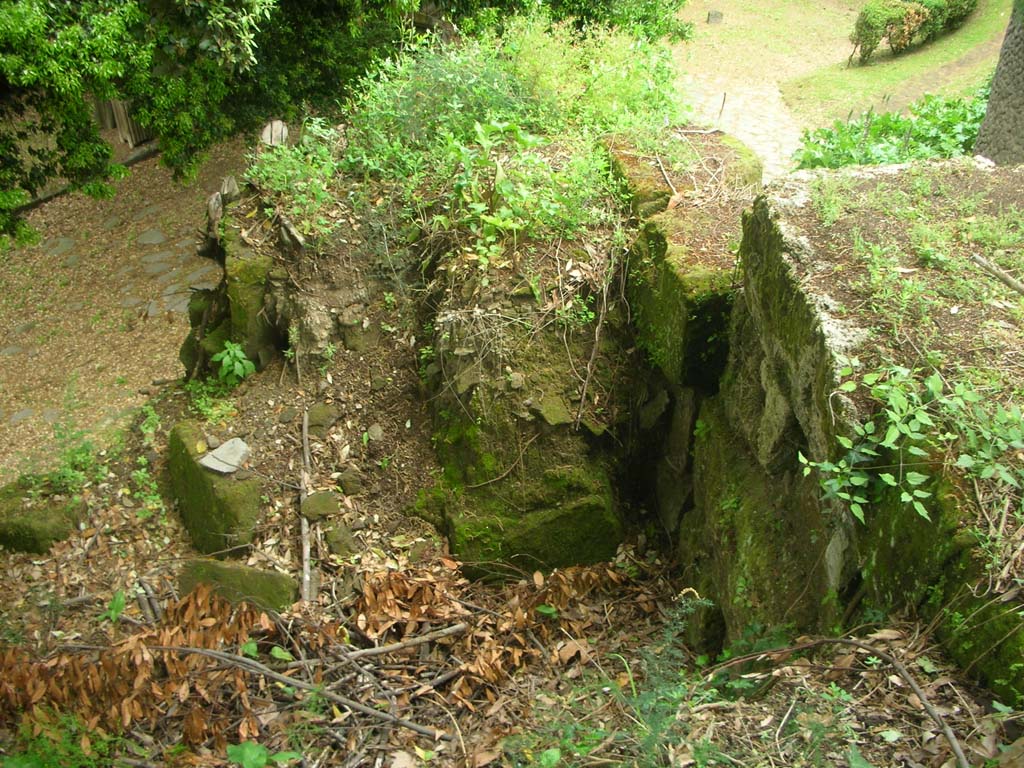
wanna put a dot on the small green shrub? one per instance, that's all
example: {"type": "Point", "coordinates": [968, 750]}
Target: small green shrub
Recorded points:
{"type": "Point", "coordinates": [234, 364]}
{"type": "Point", "coordinates": [209, 400]}
{"type": "Point", "coordinates": [936, 127]}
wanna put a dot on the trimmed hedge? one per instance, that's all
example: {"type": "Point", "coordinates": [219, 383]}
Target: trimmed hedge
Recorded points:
{"type": "Point", "coordinates": [904, 22]}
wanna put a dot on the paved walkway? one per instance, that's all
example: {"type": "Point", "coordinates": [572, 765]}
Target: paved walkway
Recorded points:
{"type": "Point", "coordinates": [754, 113]}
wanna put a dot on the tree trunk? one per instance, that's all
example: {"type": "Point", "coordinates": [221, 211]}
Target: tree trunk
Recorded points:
{"type": "Point", "coordinates": [1001, 137]}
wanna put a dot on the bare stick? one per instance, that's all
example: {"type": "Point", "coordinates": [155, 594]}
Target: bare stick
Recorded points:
{"type": "Point", "coordinates": [664, 175]}
{"type": "Point", "coordinates": [998, 272]}
{"type": "Point", "coordinates": [254, 667]}
{"type": "Point", "coordinates": [303, 493]}
{"type": "Point", "coordinates": [455, 629]}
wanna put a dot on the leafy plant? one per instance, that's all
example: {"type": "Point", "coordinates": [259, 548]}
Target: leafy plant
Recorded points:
{"type": "Point", "coordinates": [149, 425]}
{"type": "Point", "coordinates": [921, 423]}
{"type": "Point", "coordinates": [302, 176]}
{"type": "Point", "coordinates": [147, 490]}
{"type": "Point", "coordinates": [936, 127]}
{"type": "Point", "coordinates": [234, 364]}
{"type": "Point", "coordinates": [209, 400]}
{"type": "Point", "coordinates": [250, 754]}
{"type": "Point", "coordinates": [115, 608]}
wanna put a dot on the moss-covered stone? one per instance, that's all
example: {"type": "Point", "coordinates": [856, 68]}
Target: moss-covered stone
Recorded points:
{"type": "Point", "coordinates": [321, 418]}
{"type": "Point", "coordinates": [563, 517]}
{"type": "Point", "coordinates": [755, 541]}
{"type": "Point", "coordinates": [219, 512]}
{"type": "Point", "coordinates": [269, 590]}
{"type": "Point", "coordinates": [340, 540]}
{"type": "Point", "coordinates": [246, 274]}
{"type": "Point", "coordinates": [681, 305]}
{"type": "Point", "coordinates": [34, 524]}
{"type": "Point", "coordinates": [319, 506]}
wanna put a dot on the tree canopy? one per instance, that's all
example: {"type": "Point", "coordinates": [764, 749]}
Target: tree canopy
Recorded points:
{"type": "Point", "coordinates": [178, 62]}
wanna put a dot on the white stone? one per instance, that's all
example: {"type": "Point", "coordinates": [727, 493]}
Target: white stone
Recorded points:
{"type": "Point", "coordinates": [228, 458]}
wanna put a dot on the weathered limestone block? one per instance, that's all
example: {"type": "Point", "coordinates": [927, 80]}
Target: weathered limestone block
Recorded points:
{"type": "Point", "coordinates": [29, 524]}
{"type": "Point", "coordinates": [269, 590]}
{"type": "Point", "coordinates": [762, 540]}
{"type": "Point", "coordinates": [799, 337]}
{"type": "Point", "coordinates": [219, 512]}
{"type": "Point", "coordinates": [674, 473]}
{"type": "Point", "coordinates": [527, 480]}
{"type": "Point", "coordinates": [679, 302]}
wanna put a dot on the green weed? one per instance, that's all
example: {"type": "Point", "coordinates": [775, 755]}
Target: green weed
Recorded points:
{"type": "Point", "coordinates": [234, 364]}
{"type": "Point", "coordinates": [301, 177]}
{"type": "Point", "coordinates": [209, 400]}
{"type": "Point", "coordinates": [62, 742]}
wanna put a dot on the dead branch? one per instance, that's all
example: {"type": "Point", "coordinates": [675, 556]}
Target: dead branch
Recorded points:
{"type": "Point", "coordinates": [303, 493]}
{"type": "Point", "coordinates": [455, 629]}
{"type": "Point", "coordinates": [256, 668]}
{"type": "Point", "coordinates": [998, 272]}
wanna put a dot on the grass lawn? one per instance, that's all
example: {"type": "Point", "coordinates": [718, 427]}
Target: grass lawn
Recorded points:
{"type": "Point", "coordinates": [953, 64]}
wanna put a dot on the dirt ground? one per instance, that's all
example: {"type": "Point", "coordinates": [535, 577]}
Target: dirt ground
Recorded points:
{"type": "Point", "coordinates": [93, 314]}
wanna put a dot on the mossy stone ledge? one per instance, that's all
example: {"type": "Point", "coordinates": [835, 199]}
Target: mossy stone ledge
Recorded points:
{"type": "Point", "coordinates": [269, 590]}
{"type": "Point", "coordinates": [31, 523]}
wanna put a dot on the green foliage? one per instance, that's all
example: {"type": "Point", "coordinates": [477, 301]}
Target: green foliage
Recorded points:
{"type": "Point", "coordinates": [62, 742]}
{"type": "Point", "coordinates": [115, 608]}
{"type": "Point", "coordinates": [249, 754]}
{"type": "Point", "coordinates": [147, 491]}
{"type": "Point", "coordinates": [193, 70]}
{"type": "Point", "coordinates": [936, 127]}
{"type": "Point", "coordinates": [921, 424]}
{"type": "Point", "coordinates": [641, 18]}
{"type": "Point", "coordinates": [149, 425]}
{"type": "Point", "coordinates": [301, 175]}
{"type": "Point", "coordinates": [494, 140]}
{"type": "Point", "coordinates": [209, 400]}
{"type": "Point", "coordinates": [234, 364]}
{"type": "Point", "coordinates": [903, 22]}
{"type": "Point", "coordinates": [78, 462]}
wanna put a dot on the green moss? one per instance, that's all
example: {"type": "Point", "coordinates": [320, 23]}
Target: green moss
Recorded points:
{"type": "Point", "coordinates": [755, 540]}
{"type": "Point", "coordinates": [681, 307]}
{"type": "Point", "coordinates": [34, 524]}
{"type": "Point", "coordinates": [219, 512]}
{"type": "Point", "coordinates": [744, 169]}
{"type": "Point", "coordinates": [239, 583]}
{"type": "Point", "coordinates": [247, 274]}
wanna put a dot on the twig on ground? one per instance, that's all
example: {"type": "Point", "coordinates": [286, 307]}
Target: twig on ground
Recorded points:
{"type": "Point", "coordinates": [455, 629]}
{"type": "Point", "coordinates": [303, 493]}
{"type": "Point", "coordinates": [255, 667]}
{"type": "Point", "coordinates": [998, 272]}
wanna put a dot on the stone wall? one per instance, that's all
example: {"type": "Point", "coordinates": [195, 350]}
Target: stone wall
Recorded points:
{"type": "Point", "coordinates": [758, 537]}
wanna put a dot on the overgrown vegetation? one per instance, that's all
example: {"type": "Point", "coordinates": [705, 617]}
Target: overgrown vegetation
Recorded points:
{"type": "Point", "coordinates": [936, 127]}
{"type": "Point", "coordinates": [904, 22]}
{"type": "Point", "coordinates": [489, 141]}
